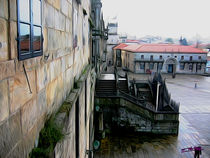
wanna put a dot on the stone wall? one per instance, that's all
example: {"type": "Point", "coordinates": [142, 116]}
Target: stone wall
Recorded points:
{"type": "Point", "coordinates": [66, 148]}
{"type": "Point", "coordinates": [23, 113]}
{"type": "Point", "coordinates": [119, 112]}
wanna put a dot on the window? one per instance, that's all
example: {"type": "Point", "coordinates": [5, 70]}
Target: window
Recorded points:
{"type": "Point", "coordinates": [190, 67]}
{"type": "Point", "coordinates": [29, 29]}
{"type": "Point", "coordinates": [160, 66]}
{"type": "Point", "coordinates": [182, 57]}
{"type": "Point", "coordinates": [118, 53]}
{"type": "Point", "coordinates": [191, 58]}
{"type": "Point", "coordinates": [142, 56]}
{"type": "Point", "coordinates": [199, 57]}
{"type": "Point", "coordinates": [142, 66]}
{"type": "Point", "coordinates": [151, 66]}
{"type": "Point", "coordinates": [151, 57]}
{"type": "Point", "coordinates": [161, 57]}
{"type": "Point", "coordinates": [199, 67]}
{"type": "Point", "coordinates": [181, 66]}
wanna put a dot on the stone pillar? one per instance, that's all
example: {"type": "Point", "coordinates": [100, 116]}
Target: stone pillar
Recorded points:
{"type": "Point", "coordinates": [155, 69]}
{"type": "Point", "coordinates": [194, 68]}
{"type": "Point", "coordinates": [203, 67]}
{"type": "Point", "coordinates": [146, 66]}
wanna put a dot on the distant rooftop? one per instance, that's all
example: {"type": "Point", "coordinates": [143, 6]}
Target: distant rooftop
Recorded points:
{"type": "Point", "coordinates": [120, 46]}
{"type": "Point", "coordinates": [159, 48]}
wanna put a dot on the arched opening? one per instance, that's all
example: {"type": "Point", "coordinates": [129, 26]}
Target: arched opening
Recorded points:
{"type": "Point", "coordinates": [171, 65]}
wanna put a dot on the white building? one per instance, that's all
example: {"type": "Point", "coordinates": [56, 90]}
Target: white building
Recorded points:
{"type": "Point", "coordinates": [165, 58]}
{"type": "Point", "coordinates": [113, 39]}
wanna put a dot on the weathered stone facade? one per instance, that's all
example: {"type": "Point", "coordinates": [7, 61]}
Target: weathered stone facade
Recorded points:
{"type": "Point", "coordinates": [51, 77]}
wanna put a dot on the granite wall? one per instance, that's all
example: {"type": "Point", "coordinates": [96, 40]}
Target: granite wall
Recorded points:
{"type": "Point", "coordinates": [51, 76]}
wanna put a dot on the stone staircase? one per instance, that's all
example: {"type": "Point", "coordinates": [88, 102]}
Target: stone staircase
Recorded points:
{"type": "Point", "coordinates": [123, 86]}
{"type": "Point", "coordinates": [106, 87]}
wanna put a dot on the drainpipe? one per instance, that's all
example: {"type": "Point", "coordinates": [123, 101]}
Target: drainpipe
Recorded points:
{"type": "Point", "coordinates": [157, 96]}
{"type": "Point", "coordinates": [98, 6]}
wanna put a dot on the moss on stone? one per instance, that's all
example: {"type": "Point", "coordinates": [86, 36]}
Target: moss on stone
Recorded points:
{"type": "Point", "coordinates": [50, 135]}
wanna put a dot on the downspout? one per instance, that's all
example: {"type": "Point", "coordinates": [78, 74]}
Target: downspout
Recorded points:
{"type": "Point", "coordinates": [157, 96]}
{"type": "Point", "coordinates": [98, 6]}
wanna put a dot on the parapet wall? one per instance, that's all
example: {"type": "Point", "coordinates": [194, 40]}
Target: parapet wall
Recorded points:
{"type": "Point", "coordinates": [126, 114]}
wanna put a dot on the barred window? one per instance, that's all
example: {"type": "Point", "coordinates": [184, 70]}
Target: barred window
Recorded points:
{"type": "Point", "coordinates": [182, 57]}
{"type": "Point", "coordinates": [151, 66]}
{"type": "Point", "coordinates": [190, 66]}
{"type": "Point", "coordinates": [160, 66]}
{"type": "Point", "coordinates": [191, 58]}
{"type": "Point", "coordinates": [199, 67]}
{"type": "Point", "coordinates": [181, 66]}
{"type": "Point", "coordinates": [30, 39]}
{"type": "Point", "coordinates": [142, 66]}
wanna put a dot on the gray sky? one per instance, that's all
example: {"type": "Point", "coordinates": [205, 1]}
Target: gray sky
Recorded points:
{"type": "Point", "coordinates": [168, 18]}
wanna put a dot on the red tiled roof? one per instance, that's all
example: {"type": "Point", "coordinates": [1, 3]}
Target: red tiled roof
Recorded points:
{"type": "Point", "coordinates": [120, 46]}
{"type": "Point", "coordinates": [162, 48]}
{"type": "Point", "coordinates": [132, 41]}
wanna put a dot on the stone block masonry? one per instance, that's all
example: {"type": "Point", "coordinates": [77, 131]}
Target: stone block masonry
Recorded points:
{"type": "Point", "coordinates": [51, 78]}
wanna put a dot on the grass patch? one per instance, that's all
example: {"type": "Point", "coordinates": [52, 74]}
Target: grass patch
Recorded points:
{"type": "Point", "coordinates": [50, 135]}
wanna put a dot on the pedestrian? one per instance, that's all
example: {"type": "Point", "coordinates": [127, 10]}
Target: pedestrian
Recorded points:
{"type": "Point", "coordinates": [197, 152]}
{"type": "Point", "coordinates": [195, 85]}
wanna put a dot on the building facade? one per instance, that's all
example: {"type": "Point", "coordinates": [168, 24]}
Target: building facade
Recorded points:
{"type": "Point", "coordinates": [49, 58]}
{"type": "Point", "coordinates": [113, 39]}
{"type": "Point", "coordinates": [165, 58]}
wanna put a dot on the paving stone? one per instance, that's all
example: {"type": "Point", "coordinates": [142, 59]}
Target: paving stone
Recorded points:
{"type": "Point", "coordinates": [193, 129]}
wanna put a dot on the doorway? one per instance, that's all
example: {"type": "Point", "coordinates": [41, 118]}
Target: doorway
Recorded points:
{"type": "Point", "coordinates": [170, 68]}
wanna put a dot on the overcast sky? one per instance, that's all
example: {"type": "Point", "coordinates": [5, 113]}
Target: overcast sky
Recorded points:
{"type": "Point", "coordinates": [169, 18]}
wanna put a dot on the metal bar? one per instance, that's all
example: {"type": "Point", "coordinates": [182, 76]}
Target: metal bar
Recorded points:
{"type": "Point", "coordinates": [24, 69]}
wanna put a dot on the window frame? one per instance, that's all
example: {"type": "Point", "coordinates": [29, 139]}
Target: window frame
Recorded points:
{"type": "Point", "coordinates": [191, 67]}
{"type": "Point", "coordinates": [181, 66]}
{"type": "Point", "coordinates": [160, 66]}
{"type": "Point", "coordinates": [191, 58]}
{"type": "Point", "coordinates": [151, 66]}
{"type": "Point", "coordinates": [199, 66]}
{"type": "Point", "coordinates": [141, 66]}
{"type": "Point", "coordinates": [31, 53]}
